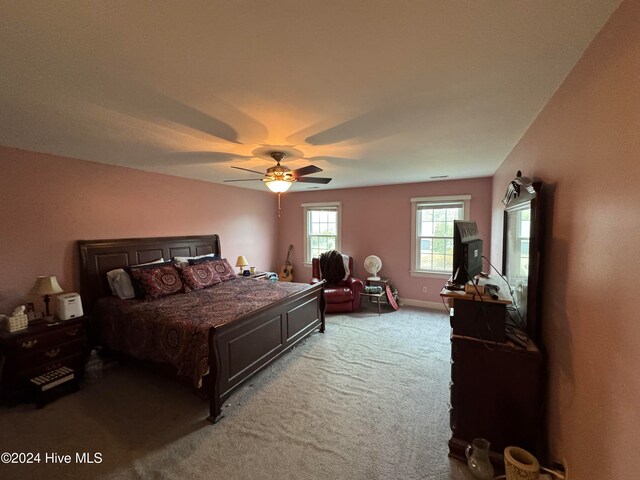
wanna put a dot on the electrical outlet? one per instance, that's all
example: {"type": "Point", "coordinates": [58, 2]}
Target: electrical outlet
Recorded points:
{"type": "Point", "coordinates": [424, 289]}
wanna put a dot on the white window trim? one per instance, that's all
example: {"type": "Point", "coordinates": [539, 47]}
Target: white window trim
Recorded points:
{"type": "Point", "coordinates": [466, 201]}
{"type": "Point", "coordinates": [305, 241]}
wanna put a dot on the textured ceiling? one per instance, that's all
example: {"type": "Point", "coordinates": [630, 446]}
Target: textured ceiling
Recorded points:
{"type": "Point", "coordinates": [373, 92]}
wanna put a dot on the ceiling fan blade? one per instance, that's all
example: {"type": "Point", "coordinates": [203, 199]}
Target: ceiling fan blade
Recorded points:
{"type": "Point", "coordinates": [245, 180]}
{"type": "Point", "coordinates": [334, 160]}
{"type": "Point", "coordinates": [248, 170]}
{"type": "Point", "coordinates": [308, 170]}
{"type": "Point", "coordinates": [199, 158]}
{"type": "Point", "coordinates": [313, 180]}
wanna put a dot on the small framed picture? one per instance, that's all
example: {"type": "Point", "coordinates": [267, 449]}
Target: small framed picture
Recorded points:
{"type": "Point", "coordinates": [30, 311]}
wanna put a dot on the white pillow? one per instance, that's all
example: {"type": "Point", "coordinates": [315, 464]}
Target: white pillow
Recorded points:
{"type": "Point", "coordinates": [120, 281]}
{"type": "Point", "coordinates": [186, 259]}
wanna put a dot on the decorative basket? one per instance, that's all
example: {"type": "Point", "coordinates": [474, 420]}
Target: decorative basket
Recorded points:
{"type": "Point", "coordinates": [520, 464]}
{"type": "Point", "coordinates": [15, 323]}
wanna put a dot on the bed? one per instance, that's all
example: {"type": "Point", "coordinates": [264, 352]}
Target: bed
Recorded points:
{"type": "Point", "coordinates": [225, 351]}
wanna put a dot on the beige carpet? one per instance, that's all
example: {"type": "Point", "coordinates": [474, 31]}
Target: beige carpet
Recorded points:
{"type": "Point", "coordinates": [366, 400]}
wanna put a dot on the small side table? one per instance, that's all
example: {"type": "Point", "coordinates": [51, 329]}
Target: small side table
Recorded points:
{"type": "Point", "coordinates": [39, 350]}
{"type": "Point", "coordinates": [377, 297]}
{"type": "Point", "coordinates": [383, 282]}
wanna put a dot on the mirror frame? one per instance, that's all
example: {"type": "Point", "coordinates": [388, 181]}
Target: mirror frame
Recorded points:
{"type": "Point", "coordinates": [519, 192]}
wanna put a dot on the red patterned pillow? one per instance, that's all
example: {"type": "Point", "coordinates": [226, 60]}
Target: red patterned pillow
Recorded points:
{"type": "Point", "coordinates": [158, 282]}
{"type": "Point", "coordinates": [196, 277]}
{"type": "Point", "coordinates": [221, 267]}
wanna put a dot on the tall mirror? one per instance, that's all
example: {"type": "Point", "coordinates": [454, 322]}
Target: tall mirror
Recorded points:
{"type": "Point", "coordinates": [521, 253]}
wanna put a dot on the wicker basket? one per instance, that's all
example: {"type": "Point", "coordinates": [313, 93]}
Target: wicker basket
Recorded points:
{"type": "Point", "coordinates": [15, 323]}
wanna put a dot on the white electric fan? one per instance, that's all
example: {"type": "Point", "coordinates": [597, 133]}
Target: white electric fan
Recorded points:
{"type": "Point", "coordinates": [373, 264]}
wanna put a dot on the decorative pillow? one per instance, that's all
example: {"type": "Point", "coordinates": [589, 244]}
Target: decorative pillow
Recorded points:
{"type": "Point", "coordinates": [196, 277]}
{"type": "Point", "coordinates": [139, 289]}
{"type": "Point", "coordinates": [120, 281]}
{"type": "Point", "coordinates": [221, 267]}
{"type": "Point", "coordinates": [158, 282]}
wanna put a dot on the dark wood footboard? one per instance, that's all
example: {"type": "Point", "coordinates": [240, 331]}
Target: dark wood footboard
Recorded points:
{"type": "Point", "coordinates": [240, 349]}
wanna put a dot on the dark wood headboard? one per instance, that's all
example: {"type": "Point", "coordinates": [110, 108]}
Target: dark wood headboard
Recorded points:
{"type": "Point", "coordinates": [97, 257]}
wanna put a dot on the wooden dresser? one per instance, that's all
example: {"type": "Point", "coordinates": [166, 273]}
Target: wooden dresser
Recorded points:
{"type": "Point", "coordinates": [37, 350]}
{"type": "Point", "coordinates": [497, 387]}
{"type": "Point", "coordinates": [497, 394]}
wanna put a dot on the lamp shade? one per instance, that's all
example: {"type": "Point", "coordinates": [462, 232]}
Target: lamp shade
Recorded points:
{"type": "Point", "coordinates": [47, 285]}
{"type": "Point", "coordinates": [279, 186]}
{"type": "Point", "coordinates": [241, 261]}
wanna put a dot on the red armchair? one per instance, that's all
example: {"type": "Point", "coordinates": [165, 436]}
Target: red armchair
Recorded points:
{"type": "Point", "coordinates": [343, 296]}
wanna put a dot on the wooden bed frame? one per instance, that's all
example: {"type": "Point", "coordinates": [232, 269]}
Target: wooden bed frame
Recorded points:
{"type": "Point", "coordinates": [238, 349]}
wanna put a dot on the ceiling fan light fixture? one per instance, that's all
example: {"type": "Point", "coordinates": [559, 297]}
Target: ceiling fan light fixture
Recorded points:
{"type": "Point", "coordinates": [280, 177]}
{"type": "Point", "coordinates": [278, 186]}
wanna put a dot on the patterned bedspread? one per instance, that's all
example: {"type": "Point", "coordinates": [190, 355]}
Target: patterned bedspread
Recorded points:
{"type": "Point", "coordinates": [175, 329]}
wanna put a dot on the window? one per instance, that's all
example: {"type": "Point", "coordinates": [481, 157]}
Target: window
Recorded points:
{"type": "Point", "coordinates": [322, 228]}
{"type": "Point", "coordinates": [432, 232]}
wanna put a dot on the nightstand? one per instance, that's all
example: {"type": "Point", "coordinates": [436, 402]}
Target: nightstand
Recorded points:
{"type": "Point", "coordinates": [37, 350]}
{"type": "Point", "coordinates": [254, 275]}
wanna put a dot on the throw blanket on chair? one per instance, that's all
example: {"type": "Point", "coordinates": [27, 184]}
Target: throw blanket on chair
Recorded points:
{"type": "Point", "coordinates": [334, 267]}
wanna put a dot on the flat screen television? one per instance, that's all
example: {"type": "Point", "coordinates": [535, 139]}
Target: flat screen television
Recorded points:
{"type": "Point", "coordinates": [467, 252]}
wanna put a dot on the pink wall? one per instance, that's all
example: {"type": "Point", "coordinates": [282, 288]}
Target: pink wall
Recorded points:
{"type": "Point", "coordinates": [49, 202]}
{"type": "Point", "coordinates": [585, 145]}
{"type": "Point", "coordinates": [377, 221]}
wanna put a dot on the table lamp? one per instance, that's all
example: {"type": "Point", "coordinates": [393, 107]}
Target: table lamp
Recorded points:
{"type": "Point", "coordinates": [241, 262]}
{"type": "Point", "coordinates": [46, 285]}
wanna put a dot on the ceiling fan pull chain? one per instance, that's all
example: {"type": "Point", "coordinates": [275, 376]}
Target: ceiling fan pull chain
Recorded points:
{"type": "Point", "coordinates": [278, 204]}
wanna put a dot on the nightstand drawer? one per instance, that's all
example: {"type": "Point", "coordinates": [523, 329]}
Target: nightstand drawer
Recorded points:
{"type": "Point", "coordinates": [44, 339]}
{"type": "Point", "coordinates": [49, 354]}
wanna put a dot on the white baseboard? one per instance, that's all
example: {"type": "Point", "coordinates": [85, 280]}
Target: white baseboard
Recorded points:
{"type": "Point", "coordinates": [422, 304]}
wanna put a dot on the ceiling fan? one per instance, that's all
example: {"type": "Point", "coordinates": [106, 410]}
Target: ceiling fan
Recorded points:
{"type": "Point", "coordinates": [280, 178]}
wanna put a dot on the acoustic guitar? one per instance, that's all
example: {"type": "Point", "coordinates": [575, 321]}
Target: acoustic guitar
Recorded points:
{"type": "Point", "coordinates": [286, 272]}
